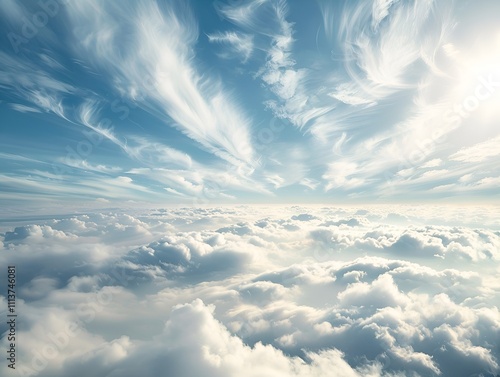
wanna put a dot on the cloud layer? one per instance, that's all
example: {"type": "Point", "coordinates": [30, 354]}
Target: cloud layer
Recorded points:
{"type": "Point", "coordinates": [289, 291]}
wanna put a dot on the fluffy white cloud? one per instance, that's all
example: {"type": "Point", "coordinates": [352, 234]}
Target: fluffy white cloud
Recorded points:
{"type": "Point", "coordinates": [289, 291]}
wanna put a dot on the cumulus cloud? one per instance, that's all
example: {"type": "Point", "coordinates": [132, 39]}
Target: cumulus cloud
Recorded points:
{"type": "Point", "coordinates": [298, 291]}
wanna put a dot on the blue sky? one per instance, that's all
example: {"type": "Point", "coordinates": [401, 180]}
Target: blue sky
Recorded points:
{"type": "Point", "coordinates": [264, 101]}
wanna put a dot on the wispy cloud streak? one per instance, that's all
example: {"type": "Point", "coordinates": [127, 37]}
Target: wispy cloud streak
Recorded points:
{"type": "Point", "coordinates": [155, 66]}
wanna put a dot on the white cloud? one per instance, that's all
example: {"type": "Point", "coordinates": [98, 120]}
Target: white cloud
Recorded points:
{"type": "Point", "coordinates": [267, 21]}
{"type": "Point", "coordinates": [24, 108]}
{"type": "Point", "coordinates": [240, 44]}
{"type": "Point", "coordinates": [85, 165]}
{"type": "Point", "coordinates": [140, 148]}
{"type": "Point", "coordinates": [161, 69]}
{"type": "Point", "coordinates": [291, 291]}
{"type": "Point", "coordinates": [386, 54]}
{"type": "Point", "coordinates": [243, 15]}
{"type": "Point", "coordinates": [175, 192]}
{"type": "Point", "coordinates": [478, 152]}
{"type": "Point", "coordinates": [350, 95]}
{"type": "Point", "coordinates": [432, 163]}
{"type": "Point", "coordinates": [380, 11]}
{"type": "Point", "coordinates": [376, 87]}
{"type": "Point", "coordinates": [309, 183]}
{"type": "Point", "coordinates": [342, 174]}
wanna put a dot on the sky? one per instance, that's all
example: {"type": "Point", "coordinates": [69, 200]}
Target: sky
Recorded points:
{"type": "Point", "coordinates": [106, 104]}
{"type": "Point", "coordinates": [265, 188]}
